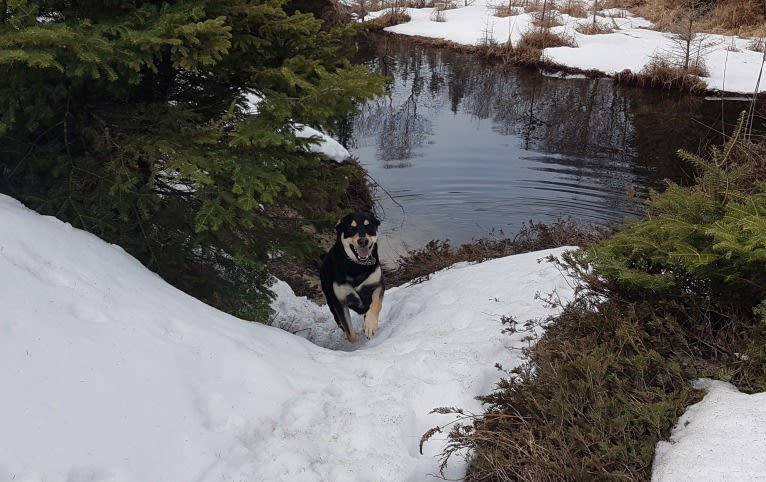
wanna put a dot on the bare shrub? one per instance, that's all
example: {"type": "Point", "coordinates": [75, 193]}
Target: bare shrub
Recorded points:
{"type": "Point", "coordinates": [546, 20]}
{"type": "Point", "coordinates": [438, 16]}
{"type": "Point", "coordinates": [732, 46]}
{"type": "Point", "coordinates": [535, 6]}
{"type": "Point", "coordinates": [757, 45]}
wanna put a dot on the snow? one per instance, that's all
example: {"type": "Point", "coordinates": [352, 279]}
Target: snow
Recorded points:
{"type": "Point", "coordinates": [721, 438]}
{"type": "Point", "coordinates": [322, 143]}
{"type": "Point", "coordinates": [110, 374]}
{"type": "Point", "coordinates": [732, 66]}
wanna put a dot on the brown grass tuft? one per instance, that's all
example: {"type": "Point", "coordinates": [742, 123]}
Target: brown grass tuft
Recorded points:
{"type": "Point", "coordinates": [506, 11]}
{"type": "Point", "coordinates": [593, 29]}
{"type": "Point", "coordinates": [389, 19]}
{"type": "Point", "coordinates": [550, 20]}
{"type": "Point", "coordinates": [574, 8]}
{"type": "Point", "coordinates": [661, 73]}
{"type": "Point", "coordinates": [530, 47]}
{"type": "Point", "coordinates": [733, 17]}
{"type": "Point", "coordinates": [757, 45]}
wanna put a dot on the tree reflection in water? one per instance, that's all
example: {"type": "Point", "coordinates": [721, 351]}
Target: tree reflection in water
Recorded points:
{"type": "Point", "coordinates": [468, 147]}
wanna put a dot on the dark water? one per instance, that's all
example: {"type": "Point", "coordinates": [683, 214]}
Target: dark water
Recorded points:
{"type": "Point", "coordinates": [464, 149]}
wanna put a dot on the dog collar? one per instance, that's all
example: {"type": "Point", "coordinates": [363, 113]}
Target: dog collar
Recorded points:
{"type": "Point", "coordinates": [367, 262]}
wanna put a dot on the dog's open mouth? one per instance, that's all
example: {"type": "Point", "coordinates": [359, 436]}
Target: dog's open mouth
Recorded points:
{"type": "Point", "coordinates": [362, 254]}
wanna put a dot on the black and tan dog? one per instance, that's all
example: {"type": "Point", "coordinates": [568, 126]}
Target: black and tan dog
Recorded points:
{"type": "Point", "coordinates": [351, 274]}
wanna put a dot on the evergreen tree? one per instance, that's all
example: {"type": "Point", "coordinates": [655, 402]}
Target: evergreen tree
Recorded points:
{"type": "Point", "coordinates": [131, 119]}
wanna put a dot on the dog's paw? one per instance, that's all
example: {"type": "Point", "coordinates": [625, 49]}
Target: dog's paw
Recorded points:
{"type": "Point", "coordinates": [351, 337]}
{"type": "Point", "coordinates": [370, 327]}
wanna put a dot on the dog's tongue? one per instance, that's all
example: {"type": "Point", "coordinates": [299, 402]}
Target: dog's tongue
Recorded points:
{"type": "Point", "coordinates": [363, 252]}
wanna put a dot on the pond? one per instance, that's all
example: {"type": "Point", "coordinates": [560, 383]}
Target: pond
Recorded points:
{"type": "Point", "coordinates": [464, 148]}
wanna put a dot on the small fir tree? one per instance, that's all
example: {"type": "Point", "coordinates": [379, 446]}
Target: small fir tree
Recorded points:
{"type": "Point", "coordinates": [131, 119]}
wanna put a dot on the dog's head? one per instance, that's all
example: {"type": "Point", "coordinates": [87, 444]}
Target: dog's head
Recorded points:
{"type": "Point", "coordinates": [357, 233]}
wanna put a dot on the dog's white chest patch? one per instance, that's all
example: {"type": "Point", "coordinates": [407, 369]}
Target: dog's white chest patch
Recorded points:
{"type": "Point", "coordinates": [374, 278]}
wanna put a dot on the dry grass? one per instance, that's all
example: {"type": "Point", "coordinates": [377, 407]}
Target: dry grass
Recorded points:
{"type": "Point", "coordinates": [503, 52]}
{"type": "Point", "coordinates": [757, 45]}
{"type": "Point", "coordinates": [622, 3]}
{"type": "Point", "coordinates": [418, 265]}
{"type": "Point", "coordinates": [550, 20]}
{"type": "Point", "coordinates": [389, 19]}
{"type": "Point", "coordinates": [574, 8]}
{"type": "Point", "coordinates": [736, 15]}
{"type": "Point", "coordinates": [529, 48]}
{"type": "Point", "coordinates": [438, 16]}
{"type": "Point", "coordinates": [732, 17]}
{"type": "Point", "coordinates": [661, 73]}
{"type": "Point", "coordinates": [506, 11]}
{"type": "Point", "coordinates": [536, 6]}
{"type": "Point", "coordinates": [593, 29]}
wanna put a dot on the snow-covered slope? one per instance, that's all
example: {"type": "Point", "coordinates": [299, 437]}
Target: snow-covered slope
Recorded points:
{"type": "Point", "coordinates": [110, 374]}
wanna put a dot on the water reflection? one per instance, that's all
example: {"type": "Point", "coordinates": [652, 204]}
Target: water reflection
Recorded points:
{"type": "Point", "coordinates": [464, 148]}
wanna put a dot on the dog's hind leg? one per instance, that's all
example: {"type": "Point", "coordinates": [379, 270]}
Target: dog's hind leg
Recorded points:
{"type": "Point", "coordinates": [373, 315]}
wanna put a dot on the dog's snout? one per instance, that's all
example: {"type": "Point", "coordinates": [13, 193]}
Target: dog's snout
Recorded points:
{"type": "Point", "coordinates": [363, 242]}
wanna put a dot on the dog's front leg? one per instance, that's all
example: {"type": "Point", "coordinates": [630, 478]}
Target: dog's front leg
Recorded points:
{"type": "Point", "coordinates": [339, 308]}
{"type": "Point", "coordinates": [372, 316]}
{"type": "Point", "coordinates": [343, 319]}
{"type": "Point", "coordinates": [347, 327]}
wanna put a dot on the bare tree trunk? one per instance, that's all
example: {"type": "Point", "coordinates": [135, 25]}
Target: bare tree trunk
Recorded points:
{"type": "Point", "coordinates": [595, 9]}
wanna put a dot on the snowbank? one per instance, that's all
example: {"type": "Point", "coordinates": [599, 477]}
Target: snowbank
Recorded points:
{"type": "Point", "coordinates": [110, 374]}
{"type": "Point", "coordinates": [721, 438]}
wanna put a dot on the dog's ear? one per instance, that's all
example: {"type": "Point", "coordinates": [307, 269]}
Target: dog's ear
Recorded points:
{"type": "Point", "coordinates": [377, 221]}
{"type": "Point", "coordinates": [343, 222]}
